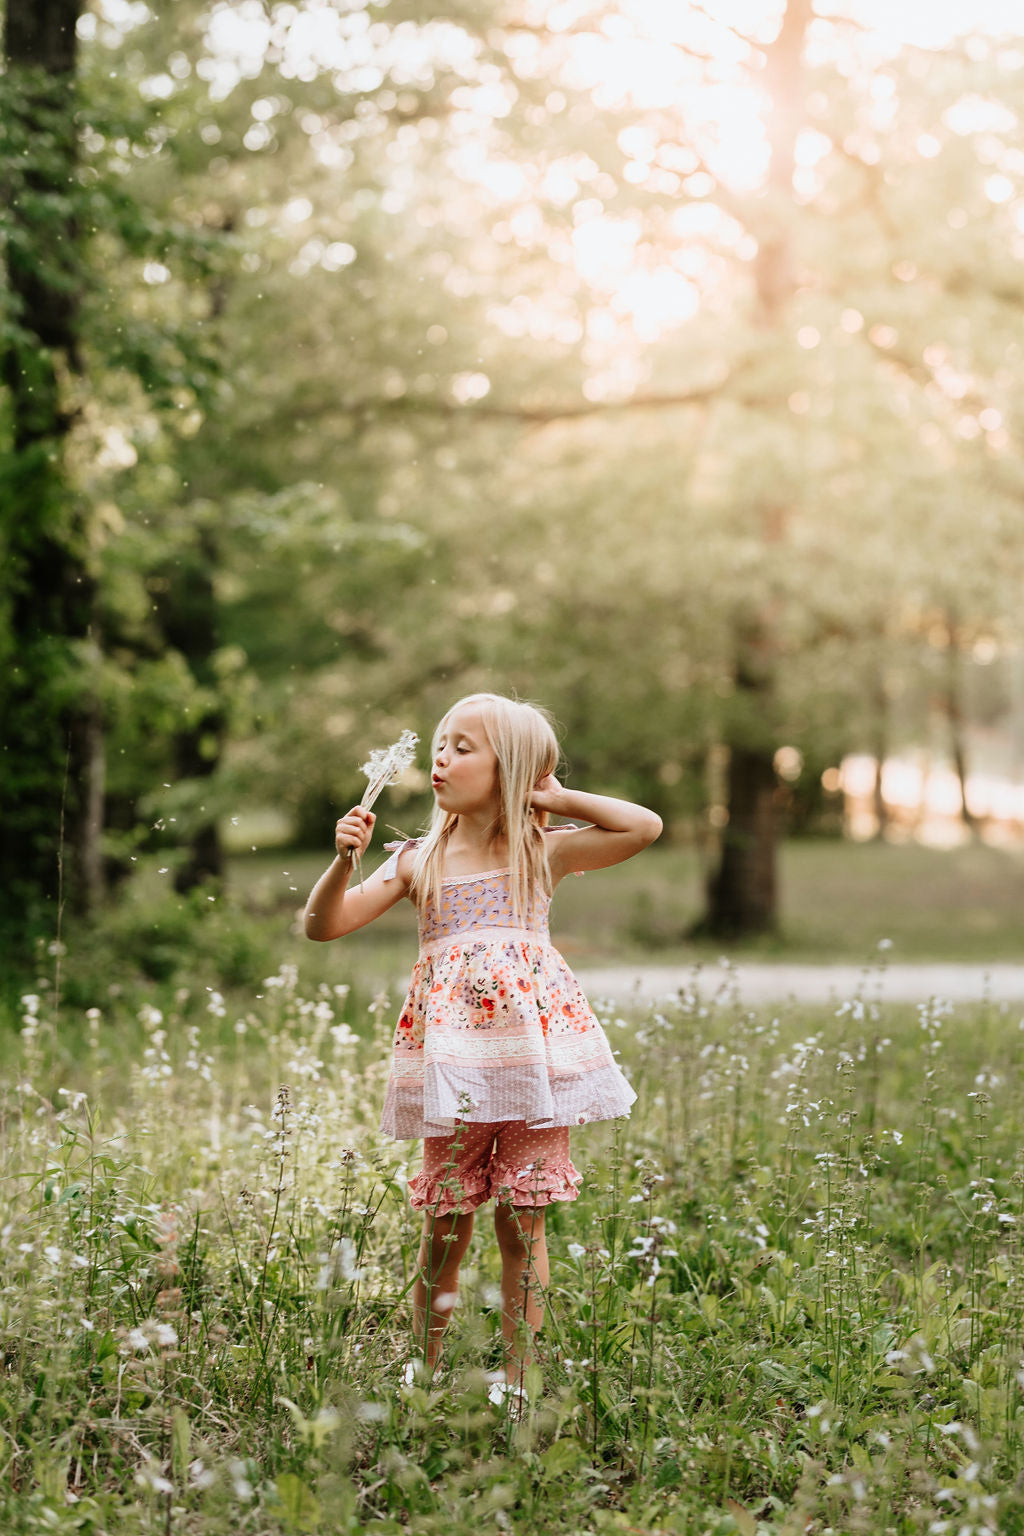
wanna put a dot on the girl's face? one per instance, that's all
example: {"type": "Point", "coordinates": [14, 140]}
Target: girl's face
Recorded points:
{"type": "Point", "coordinates": [465, 771]}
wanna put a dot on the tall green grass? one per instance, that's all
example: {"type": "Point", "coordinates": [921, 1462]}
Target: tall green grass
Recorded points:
{"type": "Point", "coordinates": [790, 1298]}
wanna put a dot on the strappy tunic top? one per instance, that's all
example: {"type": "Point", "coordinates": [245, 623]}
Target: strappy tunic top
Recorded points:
{"type": "Point", "coordinates": [495, 1025]}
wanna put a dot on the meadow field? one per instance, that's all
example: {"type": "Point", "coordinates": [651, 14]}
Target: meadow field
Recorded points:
{"type": "Point", "coordinates": [837, 900]}
{"type": "Point", "coordinates": [790, 1298]}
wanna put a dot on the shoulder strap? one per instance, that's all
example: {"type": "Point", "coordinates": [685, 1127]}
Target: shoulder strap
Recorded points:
{"type": "Point", "coordinates": [390, 869]}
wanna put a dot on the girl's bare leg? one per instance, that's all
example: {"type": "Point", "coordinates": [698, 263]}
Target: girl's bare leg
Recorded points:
{"type": "Point", "coordinates": [442, 1249]}
{"type": "Point", "coordinates": [524, 1279]}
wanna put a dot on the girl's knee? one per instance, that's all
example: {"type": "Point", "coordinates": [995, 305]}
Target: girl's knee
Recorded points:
{"type": "Point", "coordinates": [518, 1226]}
{"type": "Point", "coordinates": [445, 1239]}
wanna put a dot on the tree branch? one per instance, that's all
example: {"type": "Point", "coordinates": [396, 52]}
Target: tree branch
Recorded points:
{"type": "Point", "coordinates": [584, 29]}
{"type": "Point", "coordinates": [533, 415]}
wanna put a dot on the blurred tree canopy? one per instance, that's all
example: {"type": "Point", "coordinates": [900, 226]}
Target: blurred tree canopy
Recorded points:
{"type": "Point", "coordinates": [657, 362]}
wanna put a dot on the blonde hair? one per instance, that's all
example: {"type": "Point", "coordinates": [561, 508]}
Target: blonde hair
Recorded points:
{"type": "Point", "coordinates": [524, 743]}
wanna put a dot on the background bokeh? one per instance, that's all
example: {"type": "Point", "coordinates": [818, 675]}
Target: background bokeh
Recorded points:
{"type": "Point", "coordinates": [658, 362]}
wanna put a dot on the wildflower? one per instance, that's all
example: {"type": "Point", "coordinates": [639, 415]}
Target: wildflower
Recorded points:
{"type": "Point", "coordinates": [149, 1476]}
{"type": "Point", "coordinates": [285, 979]}
{"type": "Point", "coordinates": [243, 1488]}
{"type": "Point", "coordinates": [576, 1251]}
{"type": "Point", "coordinates": [340, 1264]}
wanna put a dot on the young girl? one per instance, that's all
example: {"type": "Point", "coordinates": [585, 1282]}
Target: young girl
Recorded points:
{"type": "Point", "coordinates": [496, 1051]}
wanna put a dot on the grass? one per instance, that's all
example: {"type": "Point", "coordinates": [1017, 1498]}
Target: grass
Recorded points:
{"type": "Point", "coordinates": [790, 1298]}
{"type": "Point", "coordinates": [837, 899]}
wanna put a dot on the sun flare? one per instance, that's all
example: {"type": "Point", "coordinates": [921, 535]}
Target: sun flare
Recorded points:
{"type": "Point", "coordinates": [687, 80]}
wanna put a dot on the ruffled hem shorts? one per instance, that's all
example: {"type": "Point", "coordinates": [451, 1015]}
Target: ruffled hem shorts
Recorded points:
{"type": "Point", "coordinates": [507, 1161]}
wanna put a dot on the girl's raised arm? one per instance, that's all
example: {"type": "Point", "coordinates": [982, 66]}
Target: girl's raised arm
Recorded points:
{"type": "Point", "coordinates": [332, 909]}
{"type": "Point", "coordinates": [619, 828]}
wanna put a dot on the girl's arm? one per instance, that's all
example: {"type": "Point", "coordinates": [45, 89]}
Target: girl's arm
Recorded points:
{"type": "Point", "coordinates": [332, 909]}
{"type": "Point", "coordinates": [619, 828]}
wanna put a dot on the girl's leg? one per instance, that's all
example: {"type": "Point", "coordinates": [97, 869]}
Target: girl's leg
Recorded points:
{"type": "Point", "coordinates": [524, 1280]}
{"type": "Point", "coordinates": [442, 1248]}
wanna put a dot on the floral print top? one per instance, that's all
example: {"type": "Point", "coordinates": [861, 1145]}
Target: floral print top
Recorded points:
{"type": "Point", "coordinates": [495, 1026]}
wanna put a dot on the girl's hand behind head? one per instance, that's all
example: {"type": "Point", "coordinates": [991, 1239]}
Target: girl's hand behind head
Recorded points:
{"type": "Point", "coordinates": [354, 831]}
{"type": "Point", "coordinates": [546, 793]}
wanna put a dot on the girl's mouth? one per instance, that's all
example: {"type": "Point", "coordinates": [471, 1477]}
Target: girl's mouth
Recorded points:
{"type": "Point", "coordinates": [436, 781]}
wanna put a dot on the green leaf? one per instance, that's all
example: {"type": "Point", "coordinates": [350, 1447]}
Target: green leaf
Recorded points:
{"type": "Point", "coordinates": [181, 1443]}
{"type": "Point", "coordinates": [299, 1505]}
{"type": "Point", "coordinates": [562, 1458]}
{"type": "Point", "coordinates": [316, 1430]}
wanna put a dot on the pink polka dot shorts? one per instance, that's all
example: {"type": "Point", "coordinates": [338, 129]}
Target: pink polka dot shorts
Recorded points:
{"type": "Point", "coordinates": [507, 1161]}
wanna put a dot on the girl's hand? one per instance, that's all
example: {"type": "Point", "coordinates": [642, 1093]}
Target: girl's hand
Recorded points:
{"type": "Point", "coordinates": [353, 832]}
{"type": "Point", "coordinates": [546, 793]}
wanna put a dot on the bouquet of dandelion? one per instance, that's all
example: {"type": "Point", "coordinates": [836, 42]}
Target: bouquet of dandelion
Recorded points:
{"type": "Point", "coordinates": [384, 767]}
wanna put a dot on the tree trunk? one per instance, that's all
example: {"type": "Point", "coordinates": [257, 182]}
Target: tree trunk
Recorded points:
{"type": "Point", "coordinates": [190, 620]}
{"type": "Point", "coordinates": [881, 807]}
{"type": "Point", "coordinates": [742, 889]}
{"type": "Point", "coordinates": [51, 765]}
{"type": "Point", "coordinates": [955, 716]}
{"type": "Point", "coordinates": [186, 605]}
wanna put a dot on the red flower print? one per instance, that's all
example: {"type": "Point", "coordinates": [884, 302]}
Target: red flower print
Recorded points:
{"type": "Point", "coordinates": [487, 1002]}
{"type": "Point", "coordinates": [524, 986]}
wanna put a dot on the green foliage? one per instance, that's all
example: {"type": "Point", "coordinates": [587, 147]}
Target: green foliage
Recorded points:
{"type": "Point", "coordinates": [360, 427]}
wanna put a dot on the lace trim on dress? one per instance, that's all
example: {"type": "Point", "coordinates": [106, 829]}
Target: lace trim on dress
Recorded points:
{"type": "Point", "coordinates": [389, 871]}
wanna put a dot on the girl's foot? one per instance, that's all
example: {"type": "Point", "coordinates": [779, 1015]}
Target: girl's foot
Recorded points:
{"type": "Point", "coordinates": [510, 1395]}
{"type": "Point", "coordinates": [416, 1373]}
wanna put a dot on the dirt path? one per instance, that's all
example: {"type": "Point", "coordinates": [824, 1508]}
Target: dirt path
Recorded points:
{"type": "Point", "coordinates": [759, 983]}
